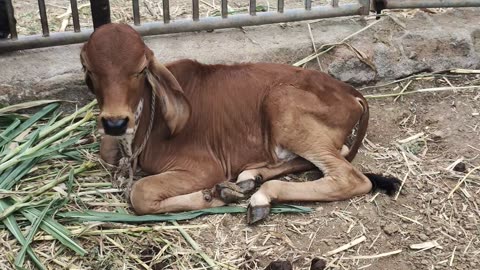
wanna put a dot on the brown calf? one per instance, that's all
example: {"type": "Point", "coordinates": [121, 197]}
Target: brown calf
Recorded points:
{"type": "Point", "coordinates": [196, 128]}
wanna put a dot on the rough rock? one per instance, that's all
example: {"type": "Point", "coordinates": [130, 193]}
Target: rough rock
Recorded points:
{"type": "Point", "coordinates": [391, 228]}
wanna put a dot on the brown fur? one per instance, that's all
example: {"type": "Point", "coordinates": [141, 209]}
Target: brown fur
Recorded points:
{"type": "Point", "coordinates": [215, 121]}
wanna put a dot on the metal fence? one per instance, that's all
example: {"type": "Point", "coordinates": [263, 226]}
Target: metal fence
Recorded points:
{"type": "Point", "coordinates": [101, 15]}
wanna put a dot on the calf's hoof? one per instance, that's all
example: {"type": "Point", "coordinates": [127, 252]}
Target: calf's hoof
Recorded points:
{"type": "Point", "coordinates": [257, 213]}
{"type": "Point", "coordinates": [228, 192]}
{"type": "Point", "coordinates": [246, 186]}
{"type": "Point", "coordinates": [318, 264]}
{"type": "Point", "coordinates": [249, 185]}
{"type": "Point", "coordinates": [279, 265]}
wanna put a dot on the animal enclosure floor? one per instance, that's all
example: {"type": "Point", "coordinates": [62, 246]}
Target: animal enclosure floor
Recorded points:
{"type": "Point", "coordinates": [415, 137]}
{"type": "Point", "coordinates": [447, 125]}
{"type": "Point", "coordinates": [438, 129]}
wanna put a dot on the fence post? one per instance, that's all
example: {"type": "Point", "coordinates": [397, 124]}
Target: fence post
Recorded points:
{"type": "Point", "coordinates": [7, 20]}
{"type": "Point", "coordinates": [365, 7]}
{"type": "Point", "coordinates": [100, 12]}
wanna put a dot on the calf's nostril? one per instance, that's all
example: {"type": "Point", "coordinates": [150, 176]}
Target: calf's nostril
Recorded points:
{"type": "Point", "coordinates": [117, 123]}
{"type": "Point", "coordinates": [115, 126]}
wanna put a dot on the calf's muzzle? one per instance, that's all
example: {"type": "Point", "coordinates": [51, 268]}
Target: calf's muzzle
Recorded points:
{"type": "Point", "coordinates": [115, 126]}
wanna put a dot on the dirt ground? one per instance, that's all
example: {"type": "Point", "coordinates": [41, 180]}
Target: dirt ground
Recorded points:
{"type": "Point", "coordinates": [450, 123]}
{"type": "Point", "coordinates": [416, 138]}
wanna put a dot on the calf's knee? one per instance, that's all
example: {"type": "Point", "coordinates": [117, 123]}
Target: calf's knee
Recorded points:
{"type": "Point", "coordinates": [142, 200]}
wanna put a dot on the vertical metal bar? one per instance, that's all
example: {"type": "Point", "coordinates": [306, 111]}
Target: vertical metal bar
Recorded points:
{"type": "Point", "coordinates": [166, 11]}
{"type": "Point", "coordinates": [43, 17]}
{"type": "Point", "coordinates": [253, 7]}
{"type": "Point", "coordinates": [136, 12]}
{"type": "Point", "coordinates": [76, 19]}
{"type": "Point", "coordinates": [308, 4]}
{"type": "Point", "coordinates": [11, 20]}
{"type": "Point", "coordinates": [365, 10]}
{"type": "Point", "coordinates": [281, 6]}
{"type": "Point", "coordinates": [224, 8]}
{"type": "Point", "coordinates": [334, 3]}
{"type": "Point", "coordinates": [196, 10]}
{"type": "Point", "coordinates": [100, 12]}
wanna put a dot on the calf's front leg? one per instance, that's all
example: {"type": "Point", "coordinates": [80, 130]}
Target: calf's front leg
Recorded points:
{"type": "Point", "coordinates": [172, 191]}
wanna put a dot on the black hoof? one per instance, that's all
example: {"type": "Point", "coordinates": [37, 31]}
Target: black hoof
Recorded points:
{"type": "Point", "coordinates": [247, 185]}
{"type": "Point", "coordinates": [318, 264]}
{"type": "Point", "coordinates": [228, 192]}
{"type": "Point", "coordinates": [257, 213]}
{"type": "Point", "coordinates": [279, 265]}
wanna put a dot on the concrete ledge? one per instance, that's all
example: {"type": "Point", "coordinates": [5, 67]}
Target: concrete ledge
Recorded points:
{"type": "Point", "coordinates": [391, 49]}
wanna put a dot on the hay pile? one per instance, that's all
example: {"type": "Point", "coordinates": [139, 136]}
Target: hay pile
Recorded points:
{"type": "Point", "coordinates": [58, 206]}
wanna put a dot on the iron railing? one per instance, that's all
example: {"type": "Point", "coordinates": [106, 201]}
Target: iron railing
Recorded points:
{"type": "Point", "coordinates": [361, 7]}
{"type": "Point", "coordinates": [101, 15]}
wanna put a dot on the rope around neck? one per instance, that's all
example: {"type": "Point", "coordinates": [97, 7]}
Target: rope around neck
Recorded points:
{"type": "Point", "coordinates": [128, 163]}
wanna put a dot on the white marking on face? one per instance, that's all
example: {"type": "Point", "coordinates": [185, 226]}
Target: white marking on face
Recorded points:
{"type": "Point", "coordinates": [259, 199]}
{"type": "Point", "coordinates": [101, 131]}
{"type": "Point", "coordinates": [130, 131]}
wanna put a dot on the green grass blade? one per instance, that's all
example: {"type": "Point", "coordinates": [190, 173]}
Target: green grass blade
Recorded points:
{"type": "Point", "coordinates": [26, 105]}
{"type": "Point", "coordinates": [9, 161]}
{"type": "Point", "coordinates": [9, 129]}
{"type": "Point", "coordinates": [126, 218]}
{"type": "Point", "coordinates": [31, 138]}
{"type": "Point", "coordinates": [69, 184]}
{"type": "Point", "coordinates": [46, 110]}
{"type": "Point", "coordinates": [55, 148]}
{"type": "Point", "coordinates": [33, 230]}
{"type": "Point", "coordinates": [289, 208]}
{"type": "Point", "coordinates": [29, 142]}
{"type": "Point", "coordinates": [22, 202]}
{"type": "Point", "coordinates": [23, 147]}
{"type": "Point", "coordinates": [14, 229]}
{"type": "Point", "coordinates": [67, 119]}
{"type": "Point", "coordinates": [47, 125]}
{"type": "Point", "coordinates": [54, 228]}
{"type": "Point", "coordinates": [8, 119]}
{"type": "Point", "coordinates": [10, 179]}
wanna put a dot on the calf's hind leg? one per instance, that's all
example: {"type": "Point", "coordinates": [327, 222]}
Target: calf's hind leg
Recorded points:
{"type": "Point", "coordinates": [341, 181]}
{"type": "Point", "coordinates": [248, 179]}
{"type": "Point", "coordinates": [317, 137]}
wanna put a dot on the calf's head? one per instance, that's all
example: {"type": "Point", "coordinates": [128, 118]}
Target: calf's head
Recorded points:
{"type": "Point", "coordinates": [120, 69]}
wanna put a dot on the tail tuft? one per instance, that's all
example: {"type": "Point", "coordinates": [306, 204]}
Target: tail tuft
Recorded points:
{"type": "Point", "coordinates": [389, 184]}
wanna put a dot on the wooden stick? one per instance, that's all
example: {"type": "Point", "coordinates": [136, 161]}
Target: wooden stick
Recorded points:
{"type": "Point", "coordinates": [435, 89]}
{"type": "Point", "coordinates": [407, 218]}
{"type": "Point", "coordinates": [366, 257]}
{"type": "Point", "coordinates": [411, 138]}
{"type": "Point", "coordinates": [453, 256]}
{"type": "Point", "coordinates": [403, 90]}
{"type": "Point", "coordinates": [346, 246]}
{"type": "Point", "coordinates": [461, 182]}
{"type": "Point", "coordinates": [195, 246]}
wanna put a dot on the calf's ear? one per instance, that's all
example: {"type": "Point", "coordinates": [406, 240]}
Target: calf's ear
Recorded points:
{"type": "Point", "coordinates": [87, 78]}
{"type": "Point", "coordinates": [175, 107]}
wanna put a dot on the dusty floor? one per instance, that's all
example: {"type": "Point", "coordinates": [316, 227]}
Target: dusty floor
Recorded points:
{"type": "Point", "coordinates": [450, 122]}
{"type": "Point", "coordinates": [441, 128]}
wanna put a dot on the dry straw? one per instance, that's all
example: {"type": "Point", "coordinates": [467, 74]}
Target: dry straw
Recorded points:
{"type": "Point", "coordinates": [50, 180]}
